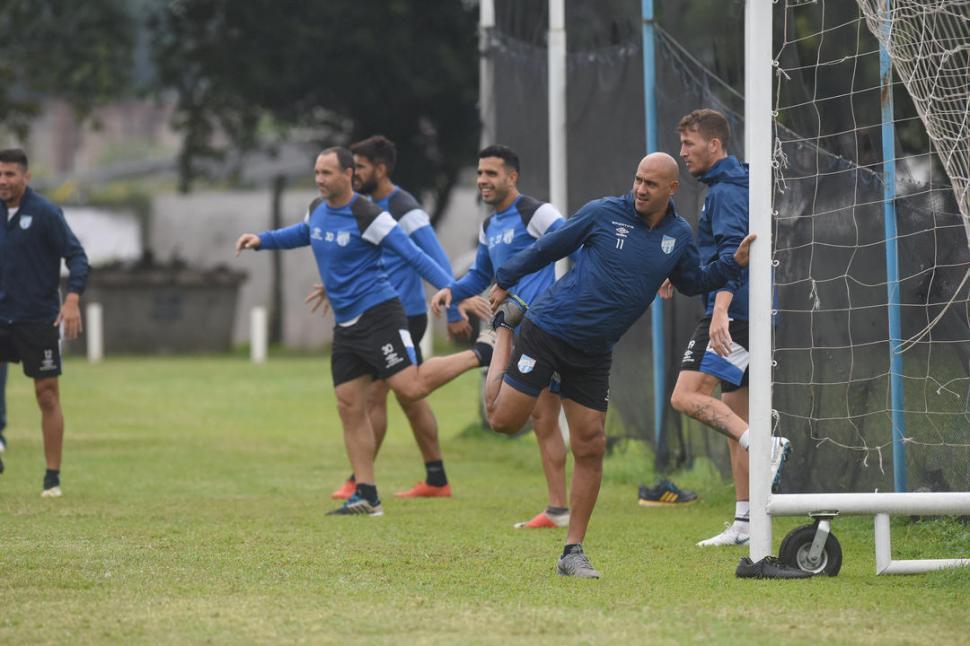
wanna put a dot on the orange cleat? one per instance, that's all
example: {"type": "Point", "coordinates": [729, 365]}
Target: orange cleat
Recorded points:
{"type": "Point", "coordinates": [544, 520]}
{"type": "Point", "coordinates": [345, 491]}
{"type": "Point", "coordinates": [424, 490]}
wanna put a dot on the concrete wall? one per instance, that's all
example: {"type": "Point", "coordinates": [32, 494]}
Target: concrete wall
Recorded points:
{"type": "Point", "coordinates": [202, 228]}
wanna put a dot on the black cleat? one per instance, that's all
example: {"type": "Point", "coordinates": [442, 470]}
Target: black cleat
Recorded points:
{"type": "Point", "coordinates": [769, 568]}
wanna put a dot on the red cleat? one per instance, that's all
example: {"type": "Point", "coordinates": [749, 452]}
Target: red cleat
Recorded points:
{"type": "Point", "coordinates": [345, 491]}
{"type": "Point", "coordinates": [424, 490]}
{"type": "Point", "coordinates": [544, 520]}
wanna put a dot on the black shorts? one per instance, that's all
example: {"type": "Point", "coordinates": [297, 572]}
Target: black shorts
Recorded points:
{"type": "Point", "coordinates": [377, 344]}
{"type": "Point", "coordinates": [584, 377]}
{"type": "Point", "coordinates": [732, 370]}
{"type": "Point", "coordinates": [35, 345]}
{"type": "Point", "coordinates": [417, 326]}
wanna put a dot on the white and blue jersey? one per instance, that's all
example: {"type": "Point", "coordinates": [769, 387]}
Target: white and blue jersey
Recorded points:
{"type": "Point", "coordinates": [504, 234]}
{"type": "Point", "coordinates": [620, 267]}
{"type": "Point", "coordinates": [405, 280]}
{"type": "Point", "coordinates": [722, 226]}
{"type": "Point", "coordinates": [347, 243]}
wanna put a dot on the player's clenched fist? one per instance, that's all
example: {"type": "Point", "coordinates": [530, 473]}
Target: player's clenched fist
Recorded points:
{"type": "Point", "coordinates": [247, 241]}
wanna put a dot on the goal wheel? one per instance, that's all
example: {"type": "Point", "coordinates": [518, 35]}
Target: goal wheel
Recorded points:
{"type": "Point", "coordinates": [796, 550]}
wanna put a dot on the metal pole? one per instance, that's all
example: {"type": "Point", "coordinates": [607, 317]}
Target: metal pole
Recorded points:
{"type": "Point", "coordinates": [892, 258]}
{"type": "Point", "coordinates": [486, 71]}
{"type": "Point", "coordinates": [558, 167]}
{"type": "Point", "coordinates": [757, 142]}
{"type": "Point", "coordinates": [652, 144]}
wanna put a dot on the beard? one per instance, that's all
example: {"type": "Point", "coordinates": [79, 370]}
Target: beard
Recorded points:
{"type": "Point", "coordinates": [368, 187]}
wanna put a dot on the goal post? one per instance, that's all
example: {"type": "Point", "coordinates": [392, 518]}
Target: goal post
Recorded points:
{"type": "Point", "coordinates": [838, 292]}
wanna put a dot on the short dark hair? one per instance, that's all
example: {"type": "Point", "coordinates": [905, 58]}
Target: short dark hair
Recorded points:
{"type": "Point", "coordinates": [14, 156]}
{"type": "Point", "coordinates": [378, 149]}
{"type": "Point", "coordinates": [508, 156]}
{"type": "Point", "coordinates": [344, 157]}
{"type": "Point", "coordinates": [711, 124]}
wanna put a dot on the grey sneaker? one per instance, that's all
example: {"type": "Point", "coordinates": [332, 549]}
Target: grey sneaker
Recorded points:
{"type": "Point", "coordinates": [484, 346]}
{"type": "Point", "coordinates": [509, 313]}
{"type": "Point", "coordinates": [780, 450]}
{"type": "Point", "coordinates": [576, 564]}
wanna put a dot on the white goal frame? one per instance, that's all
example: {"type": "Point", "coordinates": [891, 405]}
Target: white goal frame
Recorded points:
{"type": "Point", "coordinates": [764, 504]}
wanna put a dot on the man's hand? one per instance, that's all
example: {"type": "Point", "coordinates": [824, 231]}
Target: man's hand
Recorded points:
{"type": "Point", "coordinates": [741, 256]}
{"type": "Point", "coordinates": [247, 241]}
{"type": "Point", "coordinates": [496, 295]}
{"type": "Point", "coordinates": [441, 301]}
{"type": "Point", "coordinates": [475, 306]}
{"type": "Point", "coordinates": [317, 298]}
{"type": "Point", "coordinates": [70, 316]}
{"type": "Point", "coordinates": [460, 329]}
{"type": "Point", "coordinates": [666, 290]}
{"type": "Point", "coordinates": [719, 333]}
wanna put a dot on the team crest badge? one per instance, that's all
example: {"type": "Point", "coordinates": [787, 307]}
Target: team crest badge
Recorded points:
{"type": "Point", "coordinates": [25, 221]}
{"type": "Point", "coordinates": [508, 236]}
{"type": "Point", "coordinates": [667, 244]}
{"type": "Point", "coordinates": [343, 237]}
{"type": "Point", "coordinates": [526, 364]}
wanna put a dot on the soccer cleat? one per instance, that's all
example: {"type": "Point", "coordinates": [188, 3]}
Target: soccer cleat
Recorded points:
{"type": "Point", "coordinates": [484, 346]}
{"type": "Point", "coordinates": [732, 535]}
{"type": "Point", "coordinates": [52, 485]}
{"type": "Point", "coordinates": [780, 450]}
{"type": "Point", "coordinates": [544, 520]}
{"type": "Point", "coordinates": [424, 490]}
{"type": "Point", "coordinates": [345, 491]}
{"type": "Point", "coordinates": [357, 506]}
{"type": "Point", "coordinates": [3, 443]}
{"type": "Point", "coordinates": [768, 568]}
{"type": "Point", "coordinates": [509, 312]}
{"type": "Point", "coordinates": [576, 564]}
{"type": "Point", "coordinates": [665, 494]}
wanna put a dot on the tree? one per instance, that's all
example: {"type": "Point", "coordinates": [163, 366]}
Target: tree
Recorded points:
{"type": "Point", "coordinates": [250, 72]}
{"type": "Point", "coordinates": [77, 51]}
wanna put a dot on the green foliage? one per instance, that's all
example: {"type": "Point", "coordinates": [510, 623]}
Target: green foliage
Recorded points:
{"type": "Point", "coordinates": [343, 68]}
{"type": "Point", "coordinates": [80, 52]}
{"type": "Point", "coordinates": [193, 512]}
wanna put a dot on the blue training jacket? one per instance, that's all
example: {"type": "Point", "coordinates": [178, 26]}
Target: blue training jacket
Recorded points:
{"type": "Point", "coordinates": [504, 234]}
{"type": "Point", "coordinates": [405, 280]}
{"type": "Point", "coordinates": [31, 247]}
{"type": "Point", "coordinates": [722, 226]}
{"type": "Point", "coordinates": [347, 243]}
{"type": "Point", "coordinates": [620, 267]}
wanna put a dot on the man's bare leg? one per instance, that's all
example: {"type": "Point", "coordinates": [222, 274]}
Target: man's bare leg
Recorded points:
{"type": "Point", "coordinates": [47, 392]}
{"type": "Point", "coordinates": [552, 449]}
{"type": "Point", "coordinates": [587, 439]}
{"type": "Point", "coordinates": [352, 399]}
{"type": "Point", "coordinates": [692, 396]}
{"type": "Point", "coordinates": [417, 382]}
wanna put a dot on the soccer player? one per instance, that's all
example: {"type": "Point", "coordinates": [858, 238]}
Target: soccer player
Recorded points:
{"type": "Point", "coordinates": [518, 221]}
{"type": "Point", "coordinates": [718, 351]}
{"type": "Point", "coordinates": [347, 233]}
{"type": "Point", "coordinates": [33, 240]}
{"type": "Point", "coordinates": [629, 245]}
{"type": "Point", "coordinates": [374, 161]}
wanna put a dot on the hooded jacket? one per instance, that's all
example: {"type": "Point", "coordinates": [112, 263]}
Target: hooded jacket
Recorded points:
{"type": "Point", "coordinates": [722, 225]}
{"type": "Point", "coordinates": [32, 244]}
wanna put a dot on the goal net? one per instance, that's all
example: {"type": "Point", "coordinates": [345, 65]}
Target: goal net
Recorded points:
{"type": "Point", "coordinates": [872, 320]}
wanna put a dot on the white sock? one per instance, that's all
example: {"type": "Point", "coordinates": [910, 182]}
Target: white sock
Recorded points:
{"type": "Point", "coordinates": [742, 509]}
{"type": "Point", "coordinates": [743, 440]}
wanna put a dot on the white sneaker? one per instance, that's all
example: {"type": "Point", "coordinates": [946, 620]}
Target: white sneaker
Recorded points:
{"type": "Point", "coordinates": [733, 534]}
{"type": "Point", "coordinates": [780, 450]}
{"type": "Point", "coordinates": [53, 492]}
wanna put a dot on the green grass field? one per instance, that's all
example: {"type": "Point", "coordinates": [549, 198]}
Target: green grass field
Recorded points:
{"type": "Point", "coordinates": [193, 512]}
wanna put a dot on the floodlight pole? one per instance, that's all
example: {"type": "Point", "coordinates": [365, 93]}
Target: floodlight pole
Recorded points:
{"type": "Point", "coordinates": [652, 145]}
{"type": "Point", "coordinates": [757, 143]}
{"type": "Point", "coordinates": [892, 255]}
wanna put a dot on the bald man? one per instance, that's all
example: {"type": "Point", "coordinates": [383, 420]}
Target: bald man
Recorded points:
{"type": "Point", "coordinates": [627, 246]}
